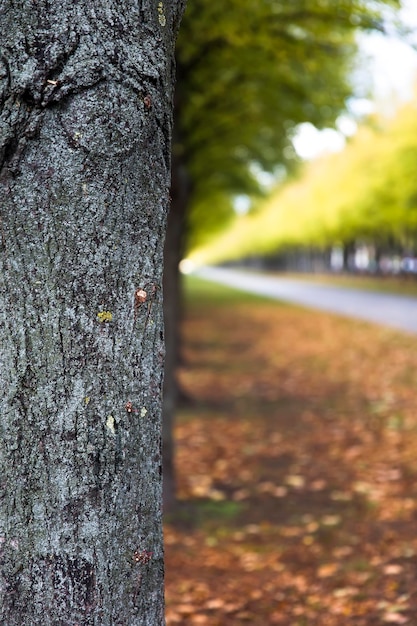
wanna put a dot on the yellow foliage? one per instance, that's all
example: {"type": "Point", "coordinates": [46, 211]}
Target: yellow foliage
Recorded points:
{"type": "Point", "coordinates": [369, 190]}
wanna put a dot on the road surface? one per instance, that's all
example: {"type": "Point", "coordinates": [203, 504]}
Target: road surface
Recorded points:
{"type": "Point", "coordinates": [386, 309]}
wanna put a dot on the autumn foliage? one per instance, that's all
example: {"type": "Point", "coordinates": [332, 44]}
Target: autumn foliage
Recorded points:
{"type": "Point", "coordinates": [366, 193]}
{"type": "Point", "coordinates": [297, 465]}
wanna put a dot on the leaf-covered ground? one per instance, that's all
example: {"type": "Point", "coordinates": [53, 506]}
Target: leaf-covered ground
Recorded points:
{"type": "Point", "coordinates": [297, 467]}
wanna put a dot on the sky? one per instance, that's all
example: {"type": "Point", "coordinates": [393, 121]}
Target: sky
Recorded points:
{"type": "Point", "coordinates": [391, 67]}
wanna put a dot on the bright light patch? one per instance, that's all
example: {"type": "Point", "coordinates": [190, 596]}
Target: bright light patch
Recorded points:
{"type": "Point", "coordinates": [186, 266]}
{"type": "Point", "coordinates": [346, 125]}
{"type": "Point", "coordinates": [310, 142]}
{"type": "Point", "coordinates": [241, 204]}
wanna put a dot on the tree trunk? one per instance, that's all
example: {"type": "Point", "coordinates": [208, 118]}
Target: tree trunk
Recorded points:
{"type": "Point", "coordinates": [85, 126]}
{"type": "Point", "coordinates": [174, 248]}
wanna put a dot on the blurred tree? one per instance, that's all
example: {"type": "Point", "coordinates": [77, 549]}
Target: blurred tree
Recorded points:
{"type": "Point", "coordinates": [366, 193]}
{"type": "Point", "coordinates": [248, 72]}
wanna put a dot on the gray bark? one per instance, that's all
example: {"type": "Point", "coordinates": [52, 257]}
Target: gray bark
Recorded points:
{"type": "Point", "coordinates": [85, 127]}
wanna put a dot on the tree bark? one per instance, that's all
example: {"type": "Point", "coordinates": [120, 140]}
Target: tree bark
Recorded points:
{"type": "Point", "coordinates": [85, 128]}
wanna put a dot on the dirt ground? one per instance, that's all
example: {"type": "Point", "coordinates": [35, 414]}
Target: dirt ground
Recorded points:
{"type": "Point", "coordinates": [297, 465]}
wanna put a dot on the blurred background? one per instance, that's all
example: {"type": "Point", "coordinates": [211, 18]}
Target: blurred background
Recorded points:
{"type": "Point", "coordinates": [327, 170]}
{"type": "Point", "coordinates": [290, 445]}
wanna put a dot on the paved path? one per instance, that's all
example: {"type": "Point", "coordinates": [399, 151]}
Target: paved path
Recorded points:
{"type": "Point", "coordinates": [389, 310]}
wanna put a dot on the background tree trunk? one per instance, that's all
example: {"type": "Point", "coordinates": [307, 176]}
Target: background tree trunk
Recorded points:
{"type": "Point", "coordinates": [86, 103]}
{"type": "Point", "coordinates": [173, 253]}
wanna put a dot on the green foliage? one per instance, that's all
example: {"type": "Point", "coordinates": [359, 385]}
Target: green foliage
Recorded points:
{"type": "Point", "coordinates": [204, 292]}
{"type": "Point", "coordinates": [367, 192]}
{"type": "Point", "coordinates": [250, 71]}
